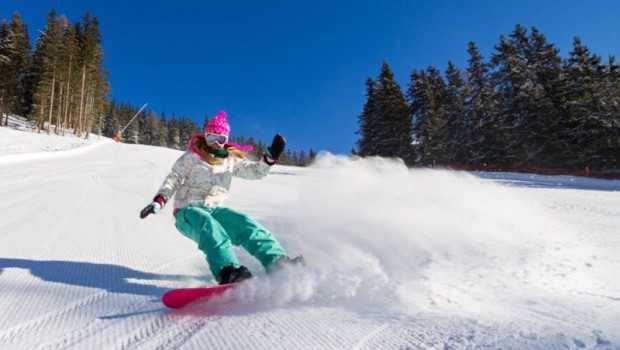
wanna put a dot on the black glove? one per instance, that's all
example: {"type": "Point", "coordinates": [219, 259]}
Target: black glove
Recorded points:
{"type": "Point", "coordinates": [275, 150]}
{"type": "Point", "coordinates": [158, 202]}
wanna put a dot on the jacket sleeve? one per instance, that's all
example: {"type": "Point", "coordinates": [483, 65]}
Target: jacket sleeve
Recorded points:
{"type": "Point", "coordinates": [250, 170]}
{"type": "Point", "coordinates": [179, 172]}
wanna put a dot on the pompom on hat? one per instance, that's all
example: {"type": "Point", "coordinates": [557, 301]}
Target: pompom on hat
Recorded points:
{"type": "Point", "coordinates": [218, 125]}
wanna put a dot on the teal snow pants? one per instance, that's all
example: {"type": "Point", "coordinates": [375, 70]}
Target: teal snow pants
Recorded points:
{"type": "Point", "coordinates": [216, 230]}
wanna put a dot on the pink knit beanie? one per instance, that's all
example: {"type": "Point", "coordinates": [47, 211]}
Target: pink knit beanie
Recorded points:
{"type": "Point", "coordinates": [218, 125]}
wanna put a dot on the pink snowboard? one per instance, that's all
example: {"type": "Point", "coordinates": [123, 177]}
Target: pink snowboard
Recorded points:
{"type": "Point", "coordinates": [178, 298]}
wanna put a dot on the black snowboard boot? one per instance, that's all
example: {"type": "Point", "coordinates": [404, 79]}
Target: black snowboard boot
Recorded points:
{"type": "Point", "coordinates": [284, 261]}
{"type": "Point", "coordinates": [231, 274]}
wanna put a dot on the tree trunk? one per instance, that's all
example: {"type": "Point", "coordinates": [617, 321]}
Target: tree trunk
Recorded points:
{"type": "Point", "coordinates": [70, 119]}
{"type": "Point", "coordinates": [49, 125]}
{"type": "Point", "coordinates": [87, 109]}
{"type": "Point", "coordinates": [40, 119]}
{"type": "Point", "coordinates": [6, 120]}
{"type": "Point", "coordinates": [68, 100]}
{"type": "Point", "coordinates": [81, 113]}
{"type": "Point", "coordinates": [58, 129]}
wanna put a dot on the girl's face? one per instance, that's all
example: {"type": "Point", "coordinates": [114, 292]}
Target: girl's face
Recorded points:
{"type": "Point", "coordinates": [216, 141]}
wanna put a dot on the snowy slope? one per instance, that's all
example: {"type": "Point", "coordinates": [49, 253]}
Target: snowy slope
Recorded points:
{"type": "Point", "coordinates": [398, 258]}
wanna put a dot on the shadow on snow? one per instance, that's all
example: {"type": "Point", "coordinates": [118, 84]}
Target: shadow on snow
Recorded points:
{"type": "Point", "coordinates": [546, 181]}
{"type": "Point", "coordinates": [112, 278]}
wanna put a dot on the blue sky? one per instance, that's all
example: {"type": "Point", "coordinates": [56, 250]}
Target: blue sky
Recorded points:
{"type": "Point", "coordinates": [299, 67]}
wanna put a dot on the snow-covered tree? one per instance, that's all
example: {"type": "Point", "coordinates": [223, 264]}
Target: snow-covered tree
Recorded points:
{"type": "Point", "coordinates": [367, 123]}
{"type": "Point", "coordinates": [385, 124]}
{"type": "Point", "coordinates": [426, 93]}
{"type": "Point", "coordinates": [455, 130]}
{"type": "Point", "coordinates": [479, 119]}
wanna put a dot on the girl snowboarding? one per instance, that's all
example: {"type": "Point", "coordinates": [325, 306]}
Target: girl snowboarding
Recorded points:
{"type": "Point", "coordinates": [201, 179]}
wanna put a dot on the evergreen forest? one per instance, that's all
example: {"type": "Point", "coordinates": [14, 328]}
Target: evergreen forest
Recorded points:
{"type": "Point", "coordinates": [525, 108]}
{"type": "Point", "coordinates": [60, 84]}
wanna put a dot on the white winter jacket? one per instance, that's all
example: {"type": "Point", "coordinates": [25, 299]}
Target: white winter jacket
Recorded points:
{"type": "Point", "coordinates": [196, 182]}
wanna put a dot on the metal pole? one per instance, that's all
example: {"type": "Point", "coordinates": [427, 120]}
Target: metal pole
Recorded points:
{"type": "Point", "coordinates": [134, 117]}
{"type": "Point", "coordinates": [117, 138]}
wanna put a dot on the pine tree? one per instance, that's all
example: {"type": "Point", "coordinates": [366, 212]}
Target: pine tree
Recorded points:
{"type": "Point", "coordinates": [111, 121]}
{"type": "Point", "coordinates": [367, 123]}
{"type": "Point", "coordinates": [286, 158]}
{"type": "Point", "coordinates": [67, 77]}
{"type": "Point", "coordinates": [162, 135]}
{"type": "Point", "coordinates": [151, 129]}
{"type": "Point", "coordinates": [534, 103]}
{"type": "Point", "coordinates": [418, 100]}
{"type": "Point", "coordinates": [455, 131]}
{"type": "Point", "coordinates": [385, 125]}
{"type": "Point", "coordinates": [592, 131]}
{"type": "Point", "coordinates": [426, 93]}
{"type": "Point", "coordinates": [94, 85]}
{"type": "Point", "coordinates": [5, 45]}
{"type": "Point", "coordinates": [302, 160]}
{"type": "Point", "coordinates": [141, 135]}
{"type": "Point", "coordinates": [612, 87]}
{"type": "Point", "coordinates": [32, 78]}
{"type": "Point", "coordinates": [610, 141]}
{"type": "Point", "coordinates": [395, 127]}
{"type": "Point", "coordinates": [311, 156]}
{"type": "Point", "coordinates": [527, 85]}
{"type": "Point", "coordinates": [134, 129]}
{"type": "Point", "coordinates": [513, 84]}
{"type": "Point", "coordinates": [480, 118]}
{"type": "Point", "coordinates": [14, 50]}
{"type": "Point", "coordinates": [173, 138]}
{"type": "Point", "coordinates": [581, 102]}
{"type": "Point", "coordinates": [187, 129]}
{"type": "Point", "coordinates": [48, 48]}
{"type": "Point", "coordinates": [544, 124]}
{"type": "Point", "coordinates": [6, 51]}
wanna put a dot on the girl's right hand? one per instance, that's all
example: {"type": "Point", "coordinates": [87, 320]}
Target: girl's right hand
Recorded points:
{"type": "Point", "coordinates": [154, 207]}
